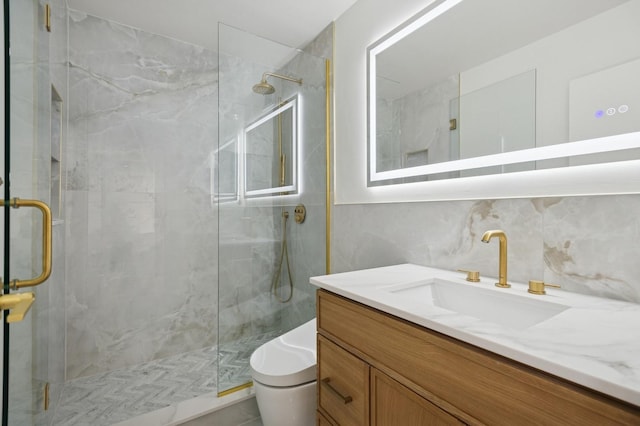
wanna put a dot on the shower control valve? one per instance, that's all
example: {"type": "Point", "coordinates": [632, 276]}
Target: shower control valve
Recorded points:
{"type": "Point", "coordinates": [300, 213]}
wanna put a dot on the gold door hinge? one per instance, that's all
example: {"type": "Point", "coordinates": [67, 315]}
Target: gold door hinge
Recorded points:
{"type": "Point", "coordinates": [47, 17]}
{"type": "Point", "coordinates": [46, 396]}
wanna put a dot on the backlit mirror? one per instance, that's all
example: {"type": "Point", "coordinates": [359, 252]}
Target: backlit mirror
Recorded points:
{"type": "Point", "coordinates": [482, 87]}
{"type": "Point", "coordinates": [271, 146]}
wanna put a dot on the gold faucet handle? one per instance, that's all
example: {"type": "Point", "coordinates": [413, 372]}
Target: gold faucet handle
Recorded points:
{"type": "Point", "coordinates": [537, 287]}
{"type": "Point", "coordinates": [18, 303]}
{"type": "Point", "coordinates": [472, 276]}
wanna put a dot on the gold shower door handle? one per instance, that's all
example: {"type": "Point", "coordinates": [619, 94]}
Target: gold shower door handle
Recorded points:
{"type": "Point", "coordinates": [46, 242]}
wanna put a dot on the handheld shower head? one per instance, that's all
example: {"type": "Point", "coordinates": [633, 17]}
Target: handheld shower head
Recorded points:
{"type": "Point", "coordinates": [264, 88]}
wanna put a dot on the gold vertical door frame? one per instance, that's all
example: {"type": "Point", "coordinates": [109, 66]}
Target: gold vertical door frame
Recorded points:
{"type": "Point", "coordinates": [328, 86]}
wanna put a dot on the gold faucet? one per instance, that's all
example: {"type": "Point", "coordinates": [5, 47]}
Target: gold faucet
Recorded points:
{"type": "Point", "coordinates": [502, 268]}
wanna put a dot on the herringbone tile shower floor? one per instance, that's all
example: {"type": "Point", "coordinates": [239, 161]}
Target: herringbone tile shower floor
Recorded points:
{"type": "Point", "coordinates": [112, 397]}
{"type": "Point", "coordinates": [118, 395]}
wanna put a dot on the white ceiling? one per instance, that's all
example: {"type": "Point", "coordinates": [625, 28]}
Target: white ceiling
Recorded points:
{"type": "Point", "coordinates": [290, 22]}
{"type": "Point", "coordinates": [436, 51]}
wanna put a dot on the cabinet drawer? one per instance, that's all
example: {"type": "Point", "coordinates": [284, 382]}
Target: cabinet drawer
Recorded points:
{"type": "Point", "coordinates": [343, 385]}
{"type": "Point", "coordinates": [322, 420]}
{"type": "Point", "coordinates": [475, 385]}
{"type": "Point", "coordinates": [393, 404]}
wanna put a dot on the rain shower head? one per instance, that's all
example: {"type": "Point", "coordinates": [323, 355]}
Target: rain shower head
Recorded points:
{"type": "Point", "coordinates": [264, 88]}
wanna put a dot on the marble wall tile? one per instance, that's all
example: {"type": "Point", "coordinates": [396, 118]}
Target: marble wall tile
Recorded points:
{"type": "Point", "coordinates": [591, 245]}
{"type": "Point", "coordinates": [586, 244]}
{"type": "Point", "coordinates": [251, 231]}
{"type": "Point", "coordinates": [306, 241]}
{"type": "Point", "coordinates": [322, 45]}
{"type": "Point", "coordinates": [141, 228]}
{"type": "Point", "coordinates": [143, 235]}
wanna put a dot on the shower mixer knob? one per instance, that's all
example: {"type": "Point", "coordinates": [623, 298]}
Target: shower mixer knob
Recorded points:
{"type": "Point", "coordinates": [300, 213]}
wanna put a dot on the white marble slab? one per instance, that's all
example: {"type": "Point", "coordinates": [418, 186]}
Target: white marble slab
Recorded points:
{"type": "Point", "coordinates": [595, 342]}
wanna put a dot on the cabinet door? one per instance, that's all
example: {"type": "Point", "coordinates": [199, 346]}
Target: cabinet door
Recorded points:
{"type": "Point", "coordinates": [392, 404]}
{"type": "Point", "coordinates": [343, 385]}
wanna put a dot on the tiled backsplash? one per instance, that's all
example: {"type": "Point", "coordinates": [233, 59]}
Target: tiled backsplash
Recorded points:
{"type": "Point", "coordinates": [588, 245]}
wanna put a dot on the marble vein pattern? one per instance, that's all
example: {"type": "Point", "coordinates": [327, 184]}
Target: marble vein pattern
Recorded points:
{"type": "Point", "coordinates": [588, 245]}
{"type": "Point", "coordinates": [251, 230]}
{"type": "Point", "coordinates": [141, 229]}
{"type": "Point", "coordinates": [575, 342]}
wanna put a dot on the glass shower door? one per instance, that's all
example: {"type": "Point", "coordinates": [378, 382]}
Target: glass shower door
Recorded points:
{"type": "Point", "coordinates": [26, 231]}
{"type": "Point", "coordinates": [271, 164]}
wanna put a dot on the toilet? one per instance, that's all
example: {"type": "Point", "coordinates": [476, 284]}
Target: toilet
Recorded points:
{"type": "Point", "coordinates": [284, 377]}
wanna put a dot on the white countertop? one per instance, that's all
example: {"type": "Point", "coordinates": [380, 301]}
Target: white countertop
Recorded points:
{"type": "Point", "coordinates": [595, 343]}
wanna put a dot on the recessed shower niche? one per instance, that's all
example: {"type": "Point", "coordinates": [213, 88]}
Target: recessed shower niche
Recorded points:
{"type": "Point", "coordinates": [271, 151]}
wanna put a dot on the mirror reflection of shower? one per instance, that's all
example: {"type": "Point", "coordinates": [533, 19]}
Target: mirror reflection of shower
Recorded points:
{"type": "Point", "coordinates": [265, 88]}
{"type": "Point", "coordinates": [271, 151]}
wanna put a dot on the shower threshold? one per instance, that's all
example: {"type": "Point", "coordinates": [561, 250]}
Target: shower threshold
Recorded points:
{"type": "Point", "coordinates": [236, 409]}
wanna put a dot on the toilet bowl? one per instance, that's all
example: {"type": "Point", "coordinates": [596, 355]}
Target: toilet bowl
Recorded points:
{"type": "Point", "coordinates": [284, 377]}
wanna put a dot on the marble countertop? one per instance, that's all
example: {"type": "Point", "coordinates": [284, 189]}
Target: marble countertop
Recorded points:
{"type": "Point", "coordinates": [595, 342]}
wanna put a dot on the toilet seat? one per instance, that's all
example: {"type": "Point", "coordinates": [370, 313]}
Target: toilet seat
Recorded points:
{"type": "Point", "coordinates": [288, 360]}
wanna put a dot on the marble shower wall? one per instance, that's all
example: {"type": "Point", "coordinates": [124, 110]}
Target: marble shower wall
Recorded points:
{"type": "Point", "coordinates": [588, 245]}
{"type": "Point", "coordinates": [251, 230]}
{"type": "Point", "coordinates": [141, 226]}
{"type": "Point", "coordinates": [307, 241]}
{"type": "Point", "coordinates": [248, 241]}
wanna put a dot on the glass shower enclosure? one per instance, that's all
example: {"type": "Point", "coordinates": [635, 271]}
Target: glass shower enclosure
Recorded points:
{"type": "Point", "coordinates": [33, 355]}
{"type": "Point", "coordinates": [269, 183]}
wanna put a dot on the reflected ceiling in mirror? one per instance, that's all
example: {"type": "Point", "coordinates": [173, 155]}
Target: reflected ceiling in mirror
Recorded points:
{"type": "Point", "coordinates": [467, 88]}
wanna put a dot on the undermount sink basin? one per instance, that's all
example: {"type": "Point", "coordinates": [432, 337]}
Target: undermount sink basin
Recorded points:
{"type": "Point", "coordinates": [496, 306]}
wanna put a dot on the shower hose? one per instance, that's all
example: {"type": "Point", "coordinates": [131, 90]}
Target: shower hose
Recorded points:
{"type": "Point", "coordinates": [284, 255]}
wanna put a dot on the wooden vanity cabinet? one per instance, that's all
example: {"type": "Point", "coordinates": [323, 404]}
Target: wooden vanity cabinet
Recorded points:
{"type": "Point", "coordinates": [393, 404]}
{"type": "Point", "coordinates": [343, 385]}
{"type": "Point", "coordinates": [383, 370]}
{"type": "Point", "coordinates": [351, 392]}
